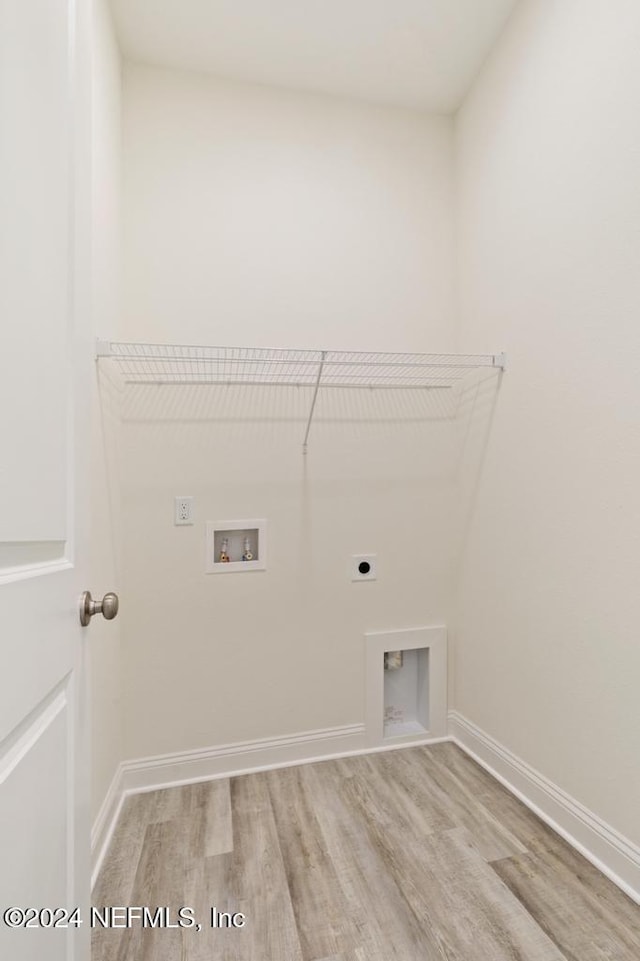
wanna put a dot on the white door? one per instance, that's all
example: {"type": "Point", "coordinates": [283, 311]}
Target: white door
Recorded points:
{"type": "Point", "coordinates": [44, 367]}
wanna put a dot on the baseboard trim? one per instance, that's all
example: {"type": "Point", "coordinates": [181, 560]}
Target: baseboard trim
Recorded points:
{"type": "Point", "coordinates": [231, 760]}
{"type": "Point", "coordinates": [614, 855]}
{"type": "Point", "coordinates": [105, 823]}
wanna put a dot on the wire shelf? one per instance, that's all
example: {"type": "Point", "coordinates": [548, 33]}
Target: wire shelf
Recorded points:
{"type": "Point", "coordinates": [249, 366]}
{"type": "Point", "coordinates": [313, 369]}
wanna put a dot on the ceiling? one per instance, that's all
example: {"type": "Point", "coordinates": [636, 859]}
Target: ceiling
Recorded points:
{"type": "Point", "coordinates": [416, 53]}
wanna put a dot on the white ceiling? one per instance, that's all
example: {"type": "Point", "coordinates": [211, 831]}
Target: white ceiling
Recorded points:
{"type": "Point", "coordinates": [418, 53]}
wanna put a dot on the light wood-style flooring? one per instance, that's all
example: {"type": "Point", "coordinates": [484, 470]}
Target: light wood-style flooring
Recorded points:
{"type": "Point", "coordinates": [407, 855]}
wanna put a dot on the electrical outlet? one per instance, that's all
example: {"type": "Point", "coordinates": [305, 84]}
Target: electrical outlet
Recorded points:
{"type": "Point", "coordinates": [363, 567]}
{"type": "Point", "coordinates": [183, 512]}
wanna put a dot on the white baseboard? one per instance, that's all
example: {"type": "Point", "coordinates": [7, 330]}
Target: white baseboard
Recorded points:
{"type": "Point", "coordinates": [614, 855]}
{"type": "Point", "coordinates": [105, 823]}
{"type": "Point", "coordinates": [230, 760]}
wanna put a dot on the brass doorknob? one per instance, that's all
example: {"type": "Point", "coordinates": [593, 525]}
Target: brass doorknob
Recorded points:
{"type": "Point", "coordinates": [108, 607]}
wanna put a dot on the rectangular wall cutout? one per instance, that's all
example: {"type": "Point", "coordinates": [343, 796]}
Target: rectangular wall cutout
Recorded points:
{"type": "Point", "coordinates": [406, 678]}
{"type": "Point", "coordinates": [236, 546]}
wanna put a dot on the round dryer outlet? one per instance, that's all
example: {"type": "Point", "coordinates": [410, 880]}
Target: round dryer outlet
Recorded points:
{"type": "Point", "coordinates": [363, 567]}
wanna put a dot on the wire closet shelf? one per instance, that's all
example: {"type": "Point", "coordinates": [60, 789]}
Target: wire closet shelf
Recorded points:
{"type": "Point", "coordinates": [315, 369]}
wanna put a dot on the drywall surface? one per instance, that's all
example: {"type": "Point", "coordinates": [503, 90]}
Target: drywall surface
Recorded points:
{"type": "Point", "coordinates": [221, 658]}
{"type": "Point", "coordinates": [265, 217]}
{"type": "Point", "coordinates": [261, 217]}
{"type": "Point", "coordinates": [105, 638]}
{"type": "Point", "coordinates": [548, 198]}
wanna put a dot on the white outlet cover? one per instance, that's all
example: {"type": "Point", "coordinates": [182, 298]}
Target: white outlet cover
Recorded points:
{"type": "Point", "coordinates": [363, 567]}
{"type": "Point", "coordinates": [183, 511]}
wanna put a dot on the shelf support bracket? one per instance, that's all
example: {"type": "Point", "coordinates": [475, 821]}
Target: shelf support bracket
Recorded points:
{"type": "Point", "coordinates": [323, 355]}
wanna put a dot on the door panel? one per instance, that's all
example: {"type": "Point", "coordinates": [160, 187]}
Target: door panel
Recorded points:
{"type": "Point", "coordinates": [33, 835]}
{"type": "Point", "coordinates": [35, 239]}
{"type": "Point", "coordinates": [45, 360]}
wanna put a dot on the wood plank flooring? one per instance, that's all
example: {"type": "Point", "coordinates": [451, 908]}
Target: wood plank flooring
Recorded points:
{"type": "Point", "coordinates": [408, 855]}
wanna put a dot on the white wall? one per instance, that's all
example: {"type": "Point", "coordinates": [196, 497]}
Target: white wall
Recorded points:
{"type": "Point", "coordinates": [261, 217]}
{"type": "Point", "coordinates": [547, 653]}
{"type": "Point", "coordinates": [275, 218]}
{"type": "Point", "coordinates": [105, 638]}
